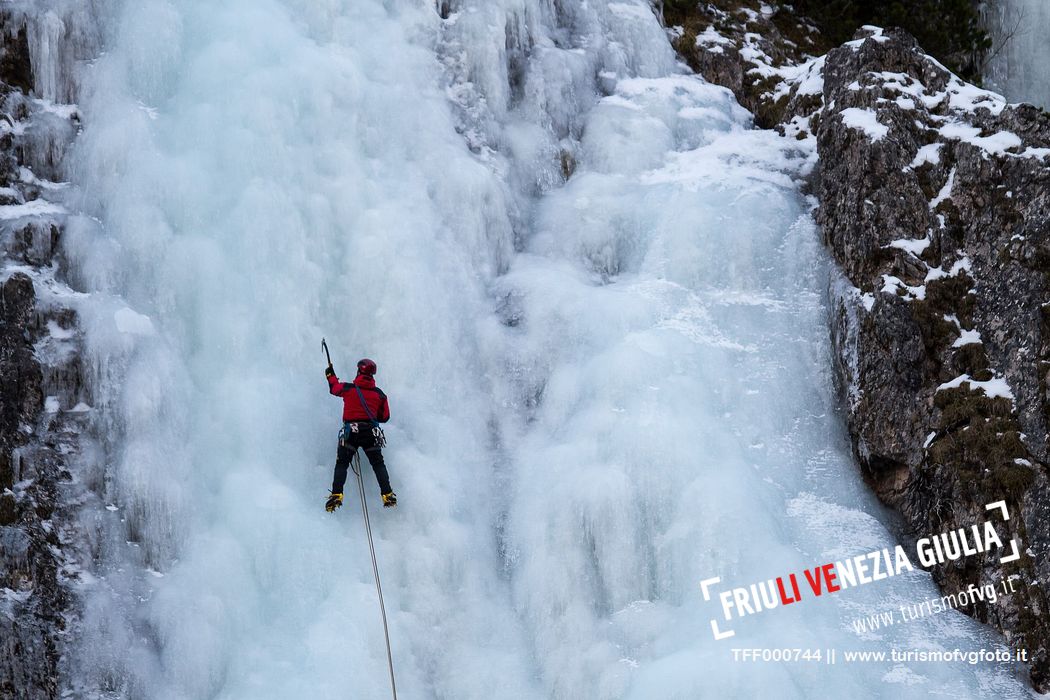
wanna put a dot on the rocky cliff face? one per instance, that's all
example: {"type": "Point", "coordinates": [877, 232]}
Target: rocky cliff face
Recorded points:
{"type": "Point", "coordinates": [935, 204]}
{"type": "Point", "coordinates": [42, 399]}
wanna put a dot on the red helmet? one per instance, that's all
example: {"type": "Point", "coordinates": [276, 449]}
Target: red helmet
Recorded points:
{"type": "Point", "coordinates": [366, 366]}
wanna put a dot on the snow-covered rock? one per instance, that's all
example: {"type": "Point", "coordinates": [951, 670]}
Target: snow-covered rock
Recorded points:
{"type": "Point", "coordinates": [935, 199]}
{"type": "Point", "coordinates": [935, 203]}
{"type": "Point", "coordinates": [41, 550]}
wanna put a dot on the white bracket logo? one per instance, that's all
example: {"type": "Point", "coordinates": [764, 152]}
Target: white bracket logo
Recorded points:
{"type": "Point", "coordinates": [704, 585]}
{"type": "Point", "coordinates": [1001, 505]}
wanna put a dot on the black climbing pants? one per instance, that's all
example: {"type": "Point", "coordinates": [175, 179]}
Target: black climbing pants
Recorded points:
{"type": "Point", "coordinates": [349, 442]}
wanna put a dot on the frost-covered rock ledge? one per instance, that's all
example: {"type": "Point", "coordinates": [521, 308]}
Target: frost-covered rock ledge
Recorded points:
{"type": "Point", "coordinates": [935, 203]}
{"type": "Point", "coordinates": [43, 401]}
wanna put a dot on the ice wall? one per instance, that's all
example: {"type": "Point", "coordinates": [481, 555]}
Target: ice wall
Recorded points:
{"type": "Point", "coordinates": [595, 300]}
{"type": "Point", "coordinates": [1020, 52]}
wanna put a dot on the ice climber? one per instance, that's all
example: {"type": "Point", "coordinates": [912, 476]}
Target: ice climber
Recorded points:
{"type": "Point", "coordinates": [364, 408]}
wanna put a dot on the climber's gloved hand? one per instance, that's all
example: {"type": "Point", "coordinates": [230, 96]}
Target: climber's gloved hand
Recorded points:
{"type": "Point", "coordinates": [329, 371]}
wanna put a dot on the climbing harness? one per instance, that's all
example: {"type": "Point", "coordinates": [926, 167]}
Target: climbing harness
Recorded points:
{"type": "Point", "coordinates": [377, 432]}
{"type": "Point", "coordinates": [356, 465]}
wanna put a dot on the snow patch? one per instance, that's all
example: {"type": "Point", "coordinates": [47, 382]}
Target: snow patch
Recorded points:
{"type": "Point", "coordinates": [897, 287]}
{"type": "Point", "coordinates": [996, 387]}
{"type": "Point", "coordinates": [864, 120]}
{"type": "Point", "coordinates": [996, 144]}
{"type": "Point", "coordinates": [876, 35]}
{"type": "Point", "coordinates": [930, 153]}
{"type": "Point", "coordinates": [915, 246]}
{"type": "Point", "coordinates": [961, 265]}
{"type": "Point", "coordinates": [710, 37]}
{"type": "Point", "coordinates": [967, 337]}
{"type": "Point", "coordinates": [945, 192]}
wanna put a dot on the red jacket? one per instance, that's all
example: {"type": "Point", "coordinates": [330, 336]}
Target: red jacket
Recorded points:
{"type": "Point", "coordinates": [352, 408]}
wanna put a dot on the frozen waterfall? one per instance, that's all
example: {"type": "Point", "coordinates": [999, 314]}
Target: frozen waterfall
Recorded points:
{"type": "Point", "coordinates": [595, 296]}
{"type": "Point", "coordinates": [1020, 53]}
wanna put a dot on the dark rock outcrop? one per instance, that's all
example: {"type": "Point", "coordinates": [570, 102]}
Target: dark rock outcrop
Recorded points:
{"type": "Point", "coordinates": [935, 205]}
{"type": "Point", "coordinates": [32, 468]}
{"type": "Point", "coordinates": [40, 389]}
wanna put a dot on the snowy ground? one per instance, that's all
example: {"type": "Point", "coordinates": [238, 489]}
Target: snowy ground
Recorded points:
{"type": "Point", "coordinates": [604, 390]}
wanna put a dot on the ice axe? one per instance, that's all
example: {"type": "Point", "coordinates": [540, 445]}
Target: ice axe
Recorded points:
{"type": "Point", "coordinates": [324, 345]}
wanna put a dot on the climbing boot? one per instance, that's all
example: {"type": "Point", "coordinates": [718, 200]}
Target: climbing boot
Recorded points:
{"type": "Point", "coordinates": [389, 500]}
{"type": "Point", "coordinates": [333, 502]}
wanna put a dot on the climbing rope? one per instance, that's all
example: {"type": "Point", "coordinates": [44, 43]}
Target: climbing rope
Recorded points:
{"type": "Point", "coordinates": [375, 569]}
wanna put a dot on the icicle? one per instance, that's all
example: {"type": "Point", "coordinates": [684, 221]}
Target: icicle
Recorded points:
{"type": "Point", "coordinates": [47, 44]}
